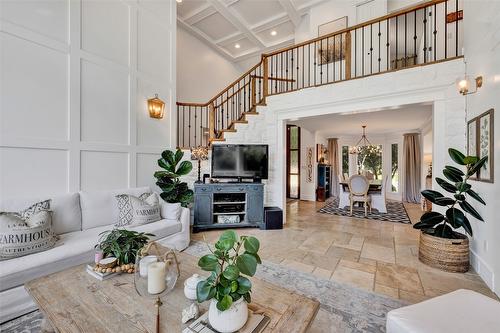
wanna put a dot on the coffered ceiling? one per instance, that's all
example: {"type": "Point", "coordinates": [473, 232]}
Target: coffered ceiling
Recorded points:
{"type": "Point", "coordinates": [239, 29]}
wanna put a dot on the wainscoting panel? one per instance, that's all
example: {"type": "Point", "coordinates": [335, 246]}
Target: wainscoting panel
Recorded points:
{"type": "Point", "coordinates": [37, 106]}
{"type": "Point", "coordinates": [74, 84]}
{"type": "Point", "coordinates": [27, 172]}
{"type": "Point", "coordinates": [104, 170]}
{"type": "Point", "coordinates": [104, 104]}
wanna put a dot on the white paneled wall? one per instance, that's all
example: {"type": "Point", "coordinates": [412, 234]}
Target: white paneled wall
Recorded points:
{"type": "Point", "coordinates": [75, 76]}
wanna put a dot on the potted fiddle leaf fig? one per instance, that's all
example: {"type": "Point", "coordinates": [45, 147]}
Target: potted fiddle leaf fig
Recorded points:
{"type": "Point", "coordinates": [440, 245]}
{"type": "Point", "coordinates": [232, 261]}
{"type": "Point", "coordinates": [169, 179]}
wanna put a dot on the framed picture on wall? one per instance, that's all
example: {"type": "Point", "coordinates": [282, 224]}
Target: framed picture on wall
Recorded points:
{"type": "Point", "coordinates": [334, 48]}
{"type": "Point", "coordinates": [485, 145]}
{"type": "Point", "coordinates": [472, 136]}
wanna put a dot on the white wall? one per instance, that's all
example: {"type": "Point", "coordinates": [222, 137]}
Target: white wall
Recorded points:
{"type": "Point", "coordinates": [307, 188]}
{"type": "Point", "coordinates": [74, 80]}
{"type": "Point", "coordinates": [483, 58]}
{"type": "Point", "coordinates": [201, 72]}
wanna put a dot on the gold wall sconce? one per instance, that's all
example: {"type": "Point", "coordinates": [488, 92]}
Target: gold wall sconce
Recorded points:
{"type": "Point", "coordinates": [156, 107]}
{"type": "Point", "coordinates": [464, 85]}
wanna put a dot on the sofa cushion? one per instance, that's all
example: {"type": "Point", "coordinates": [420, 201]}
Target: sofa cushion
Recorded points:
{"type": "Point", "coordinates": [100, 208]}
{"type": "Point", "coordinates": [170, 211]}
{"type": "Point", "coordinates": [66, 213]}
{"type": "Point", "coordinates": [72, 249]}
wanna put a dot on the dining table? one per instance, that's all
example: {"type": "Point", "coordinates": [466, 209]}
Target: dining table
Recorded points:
{"type": "Point", "coordinates": [375, 185]}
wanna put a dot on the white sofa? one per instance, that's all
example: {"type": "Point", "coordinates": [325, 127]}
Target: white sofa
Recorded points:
{"type": "Point", "coordinates": [78, 219]}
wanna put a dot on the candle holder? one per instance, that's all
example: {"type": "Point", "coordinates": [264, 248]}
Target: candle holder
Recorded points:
{"type": "Point", "coordinates": [155, 275]}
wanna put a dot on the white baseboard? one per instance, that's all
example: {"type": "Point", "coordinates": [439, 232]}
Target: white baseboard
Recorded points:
{"type": "Point", "coordinates": [308, 198]}
{"type": "Point", "coordinates": [483, 269]}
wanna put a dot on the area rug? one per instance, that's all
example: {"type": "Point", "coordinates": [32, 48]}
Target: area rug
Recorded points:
{"type": "Point", "coordinates": [396, 211]}
{"type": "Point", "coordinates": [343, 308]}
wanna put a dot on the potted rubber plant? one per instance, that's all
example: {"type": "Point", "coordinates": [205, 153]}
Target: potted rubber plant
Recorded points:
{"type": "Point", "coordinates": [233, 260]}
{"type": "Point", "coordinates": [169, 179]}
{"type": "Point", "coordinates": [441, 246]}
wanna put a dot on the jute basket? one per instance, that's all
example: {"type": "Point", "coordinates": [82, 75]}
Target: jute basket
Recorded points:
{"type": "Point", "coordinates": [450, 255]}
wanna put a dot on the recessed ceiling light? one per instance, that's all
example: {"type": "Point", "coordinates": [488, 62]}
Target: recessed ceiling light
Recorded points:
{"type": "Point", "coordinates": [274, 33]}
{"type": "Point", "coordinates": [237, 45]}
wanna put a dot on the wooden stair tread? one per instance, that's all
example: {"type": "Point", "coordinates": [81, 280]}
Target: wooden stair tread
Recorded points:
{"type": "Point", "coordinates": [231, 130]}
{"type": "Point", "coordinates": [250, 113]}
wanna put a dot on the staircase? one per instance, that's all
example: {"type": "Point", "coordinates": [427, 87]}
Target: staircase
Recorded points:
{"type": "Point", "coordinates": [425, 34]}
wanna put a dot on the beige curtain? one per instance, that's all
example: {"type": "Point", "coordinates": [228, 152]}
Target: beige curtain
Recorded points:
{"type": "Point", "coordinates": [412, 163]}
{"type": "Point", "coordinates": [333, 156]}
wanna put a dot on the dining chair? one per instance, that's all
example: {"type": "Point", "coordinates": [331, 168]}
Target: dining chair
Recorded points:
{"type": "Point", "coordinates": [343, 197]}
{"type": "Point", "coordinates": [379, 199]}
{"type": "Point", "coordinates": [358, 192]}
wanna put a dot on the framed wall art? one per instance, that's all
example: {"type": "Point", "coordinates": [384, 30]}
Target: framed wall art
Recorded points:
{"type": "Point", "coordinates": [480, 143]}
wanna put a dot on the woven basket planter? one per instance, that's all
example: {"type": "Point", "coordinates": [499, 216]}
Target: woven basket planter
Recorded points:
{"type": "Point", "coordinates": [450, 255]}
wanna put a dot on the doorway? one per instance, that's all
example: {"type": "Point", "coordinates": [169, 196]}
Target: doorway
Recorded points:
{"type": "Point", "coordinates": [293, 162]}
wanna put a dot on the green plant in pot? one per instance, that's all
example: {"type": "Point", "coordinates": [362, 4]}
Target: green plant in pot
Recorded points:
{"type": "Point", "coordinates": [169, 179]}
{"type": "Point", "coordinates": [233, 260]}
{"type": "Point", "coordinates": [122, 244]}
{"type": "Point", "coordinates": [440, 245]}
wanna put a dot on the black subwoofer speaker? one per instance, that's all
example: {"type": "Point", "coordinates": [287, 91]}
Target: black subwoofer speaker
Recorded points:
{"type": "Point", "coordinates": [273, 218]}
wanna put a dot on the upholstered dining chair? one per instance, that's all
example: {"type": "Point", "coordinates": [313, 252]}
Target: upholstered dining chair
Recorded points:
{"type": "Point", "coordinates": [378, 200]}
{"type": "Point", "coordinates": [343, 197]}
{"type": "Point", "coordinates": [358, 192]}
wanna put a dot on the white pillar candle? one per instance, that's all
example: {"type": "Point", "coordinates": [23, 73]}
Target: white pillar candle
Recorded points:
{"type": "Point", "coordinates": [156, 277]}
{"type": "Point", "coordinates": [144, 263]}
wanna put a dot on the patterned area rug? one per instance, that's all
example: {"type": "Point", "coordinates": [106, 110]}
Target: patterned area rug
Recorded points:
{"type": "Point", "coordinates": [343, 308]}
{"type": "Point", "coordinates": [396, 211]}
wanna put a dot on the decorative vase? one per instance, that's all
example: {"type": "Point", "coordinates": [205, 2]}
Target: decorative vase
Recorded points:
{"type": "Point", "coordinates": [450, 255]}
{"type": "Point", "coordinates": [230, 320]}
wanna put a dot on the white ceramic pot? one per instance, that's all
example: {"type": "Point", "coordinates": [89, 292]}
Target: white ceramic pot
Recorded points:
{"type": "Point", "coordinates": [230, 320]}
{"type": "Point", "coordinates": [190, 286]}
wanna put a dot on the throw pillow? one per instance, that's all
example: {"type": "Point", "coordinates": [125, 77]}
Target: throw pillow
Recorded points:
{"type": "Point", "coordinates": [134, 210]}
{"type": "Point", "coordinates": [170, 211]}
{"type": "Point", "coordinates": [19, 237]}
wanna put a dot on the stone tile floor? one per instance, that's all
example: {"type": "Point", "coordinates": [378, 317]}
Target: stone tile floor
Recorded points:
{"type": "Point", "coordinates": [377, 256]}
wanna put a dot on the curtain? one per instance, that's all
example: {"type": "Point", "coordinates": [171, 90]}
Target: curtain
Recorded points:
{"type": "Point", "coordinates": [412, 164]}
{"type": "Point", "coordinates": [333, 156]}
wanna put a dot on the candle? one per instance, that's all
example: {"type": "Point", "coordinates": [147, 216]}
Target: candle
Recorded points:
{"type": "Point", "coordinates": [98, 256]}
{"type": "Point", "coordinates": [143, 265]}
{"type": "Point", "coordinates": [156, 277]}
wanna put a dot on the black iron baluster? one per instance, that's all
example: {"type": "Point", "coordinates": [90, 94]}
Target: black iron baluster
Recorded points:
{"type": "Point", "coordinates": [309, 65]}
{"type": "Point", "coordinates": [334, 55]}
{"type": "Point", "coordinates": [406, 56]}
{"type": "Point", "coordinates": [456, 28]}
{"type": "Point", "coordinates": [397, 28]}
{"type": "Point", "coordinates": [371, 48]}
{"type": "Point", "coordinates": [415, 37]}
{"type": "Point", "coordinates": [387, 44]}
{"type": "Point", "coordinates": [379, 34]}
{"type": "Point", "coordinates": [195, 125]}
{"type": "Point", "coordinates": [425, 35]}
{"type": "Point", "coordinates": [189, 126]}
{"type": "Point", "coordinates": [435, 33]}
{"type": "Point", "coordinates": [315, 57]}
{"type": "Point", "coordinates": [297, 68]}
{"type": "Point", "coordinates": [355, 52]}
{"type": "Point", "coordinates": [445, 30]}
{"type": "Point", "coordinates": [340, 67]}
{"type": "Point", "coordinates": [363, 51]}
{"type": "Point", "coordinates": [327, 58]}
{"type": "Point", "coordinates": [322, 63]}
{"type": "Point", "coordinates": [303, 66]}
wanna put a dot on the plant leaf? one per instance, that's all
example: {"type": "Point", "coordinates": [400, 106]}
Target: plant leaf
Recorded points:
{"type": "Point", "coordinates": [167, 174]}
{"type": "Point", "coordinates": [178, 156]}
{"type": "Point", "coordinates": [208, 262]}
{"type": "Point", "coordinates": [184, 168]}
{"type": "Point", "coordinates": [431, 195]}
{"type": "Point", "coordinates": [444, 201]}
{"type": "Point", "coordinates": [229, 234]}
{"type": "Point", "coordinates": [476, 167]}
{"type": "Point", "coordinates": [443, 231]}
{"type": "Point", "coordinates": [432, 218]}
{"type": "Point", "coordinates": [244, 285]}
{"type": "Point", "coordinates": [476, 196]}
{"type": "Point", "coordinates": [225, 303]}
{"type": "Point", "coordinates": [456, 156]}
{"type": "Point", "coordinates": [450, 175]}
{"type": "Point", "coordinates": [251, 244]}
{"type": "Point", "coordinates": [471, 210]}
{"type": "Point", "coordinates": [455, 217]}
{"type": "Point", "coordinates": [247, 264]}
{"type": "Point", "coordinates": [466, 225]}
{"type": "Point", "coordinates": [470, 160]}
{"type": "Point", "coordinates": [203, 291]}
{"type": "Point", "coordinates": [168, 156]}
{"type": "Point", "coordinates": [446, 186]}
{"type": "Point", "coordinates": [231, 273]}
{"type": "Point", "coordinates": [455, 170]}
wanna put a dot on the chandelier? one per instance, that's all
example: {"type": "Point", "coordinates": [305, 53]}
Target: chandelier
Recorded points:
{"type": "Point", "coordinates": [361, 143]}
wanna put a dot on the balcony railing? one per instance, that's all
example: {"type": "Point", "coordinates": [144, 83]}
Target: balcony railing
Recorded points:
{"type": "Point", "coordinates": [425, 34]}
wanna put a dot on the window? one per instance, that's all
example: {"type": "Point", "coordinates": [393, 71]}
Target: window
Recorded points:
{"type": "Point", "coordinates": [345, 161]}
{"type": "Point", "coordinates": [394, 168]}
{"type": "Point", "coordinates": [293, 160]}
{"type": "Point", "coordinates": [370, 162]}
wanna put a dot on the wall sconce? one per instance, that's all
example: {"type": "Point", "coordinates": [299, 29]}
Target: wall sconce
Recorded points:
{"type": "Point", "coordinates": [465, 84]}
{"type": "Point", "coordinates": [156, 107]}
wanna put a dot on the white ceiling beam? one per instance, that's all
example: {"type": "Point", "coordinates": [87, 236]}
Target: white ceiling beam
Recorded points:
{"type": "Point", "coordinates": [199, 15]}
{"type": "Point", "coordinates": [281, 44]}
{"type": "Point", "coordinates": [293, 14]}
{"type": "Point", "coordinates": [228, 15]}
{"type": "Point", "coordinates": [205, 39]}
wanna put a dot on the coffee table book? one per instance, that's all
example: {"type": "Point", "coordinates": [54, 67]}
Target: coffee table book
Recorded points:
{"type": "Point", "coordinates": [99, 276]}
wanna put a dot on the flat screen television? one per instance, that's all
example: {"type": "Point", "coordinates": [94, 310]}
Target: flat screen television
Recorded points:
{"type": "Point", "coordinates": [240, 161]}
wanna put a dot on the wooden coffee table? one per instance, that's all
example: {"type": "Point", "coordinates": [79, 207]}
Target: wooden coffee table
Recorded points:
{"type": "Point", "coordinates": [73, 301]}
